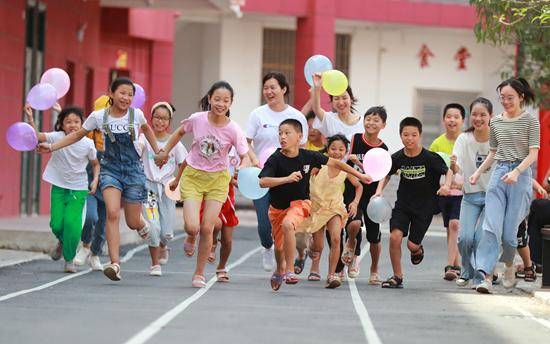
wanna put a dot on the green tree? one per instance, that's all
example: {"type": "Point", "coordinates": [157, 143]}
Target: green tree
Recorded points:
{"type": "Point", "coordinates": [527, 25]}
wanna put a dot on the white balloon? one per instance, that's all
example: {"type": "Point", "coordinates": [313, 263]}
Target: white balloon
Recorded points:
{"type": "Point", "coordinates": [379, 210]}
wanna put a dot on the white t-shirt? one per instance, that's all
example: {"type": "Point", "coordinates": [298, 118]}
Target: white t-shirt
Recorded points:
{"type": "Point", "coordinates": [117, 125]}
{"type": "Point", "coordinates": [67, 166]}
{"type": "Point", "coordinates": [470, 155]}
{"type": "Point", "coordinates": [263, 126]}
{"type": "Point", "coordinates": [152, 172]}
{"type": "Point", "coordinates": [332, 125]}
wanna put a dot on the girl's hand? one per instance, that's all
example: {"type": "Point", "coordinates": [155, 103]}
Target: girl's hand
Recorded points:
{"type": "Point", "coordinates": [453, 160]}
{"type": "Point", "coordinates": [161, 158]}
{"type": "Point", "coordinates": [314, 171]}
{"type": "Point", "coordinates": [353, 158]}
{"type": "Point", "coordinates": [294, 177]}
{"type": "Point", "coordinates": [474, 178]}
{"type": "Point", "coordinates": [366, 179]}
{"type": "Point", "coordinates": [173, 184]}
{"type": "Point", "coordinates": [93, 186]}
{"type": "Point", "coordinates": [510, 177]}
{"type": "Point", "coordinates": [540, 190]}
{"type": "Point", "coordinates": [352, 209]}
{"type": "Point", "coordinates": [317, 80]}
{"type": "Point", "coordinates": [44, 147]}
{"type": "Point", "coordinates": [28, 113]}
{"type": "Point", "coordinates": [444, 190]}
{"type": "Point", "coordinates": [56, 107]}
{"type": "Point", "coordinates": [377, 194]}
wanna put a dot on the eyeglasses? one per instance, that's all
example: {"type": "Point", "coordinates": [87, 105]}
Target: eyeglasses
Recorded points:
{"type": "Point", "coordinates": [163, 119]}
{"type": "Point", "coordinates": [508, 99]}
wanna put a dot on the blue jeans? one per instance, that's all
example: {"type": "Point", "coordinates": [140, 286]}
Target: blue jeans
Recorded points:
{"type": "Point", "coordinates": [506, 205]}
{"type": "Point", "coordinates": [264, 226]}
{"type": "Point", "coordinates": [472, 215]}
{"type": "Point", "coordinates": [94, 224]}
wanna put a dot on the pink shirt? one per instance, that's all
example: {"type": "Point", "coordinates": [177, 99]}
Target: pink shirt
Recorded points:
{"type": "Point", "coordinates": [211, 145]}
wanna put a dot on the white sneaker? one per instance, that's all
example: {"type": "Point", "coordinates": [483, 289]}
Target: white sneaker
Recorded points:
{"type": "Point", "coordinates": [155, 270]}
{"type": "Point", "coordinates": [462, 282]}
{"type": "Point", "coordinates": [95, 263]}
{"type": "Point", "coordinates": [509, 280]}
{"type": "Point", "coordinates": [70, 267]}
{"type": "Point", "coordinates": [164, 255]}
{"type": "Point", "coordinates": [268, 259]}
{"type": "Point", "coordinates": [485, 287]}
{"type": "Point", "coordinates": [81, 256]}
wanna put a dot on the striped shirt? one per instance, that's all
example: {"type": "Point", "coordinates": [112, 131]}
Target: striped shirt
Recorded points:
{"type": "Point", "coordinates": [513, 137]}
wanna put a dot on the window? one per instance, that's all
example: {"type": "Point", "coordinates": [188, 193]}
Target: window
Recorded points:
{"type": "Point", "coordinates": [342, 53]}
{"type": "Point", "coordinates": [278, 54]}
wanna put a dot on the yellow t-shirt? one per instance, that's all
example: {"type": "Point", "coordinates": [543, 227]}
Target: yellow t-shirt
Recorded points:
{"type": "Point", "coordinates": [442, 144]}
{"type": "Point", "coordinates": [312, 147]}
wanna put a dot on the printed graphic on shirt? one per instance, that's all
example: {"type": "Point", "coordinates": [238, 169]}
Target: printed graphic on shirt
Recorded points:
{"type": "Point", "coordinates": [306, 169]}
{"type": "Point", "coordinates": [151, 207]}
{"type": "Point", "coordinates": [480, 158]}
{"type": "Point", "coordinates": [209, 146]}
{"type": "Point", "coordinates": [119, 127]}
{"type": "Point", "coordinates": [413, 172]}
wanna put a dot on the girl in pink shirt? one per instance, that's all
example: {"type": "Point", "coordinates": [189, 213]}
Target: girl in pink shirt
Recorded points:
{"type": "Point", "coordinates": [206, 176]}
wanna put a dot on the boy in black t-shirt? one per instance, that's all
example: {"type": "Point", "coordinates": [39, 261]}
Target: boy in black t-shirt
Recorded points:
{"type": "Point", "coordinates": [286, 173]}
{"type": "Point", "coordinates": [416, 196]}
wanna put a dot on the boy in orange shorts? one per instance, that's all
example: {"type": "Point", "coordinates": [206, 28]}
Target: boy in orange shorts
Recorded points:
{"type": "Point", "coordinates": [286, 173]}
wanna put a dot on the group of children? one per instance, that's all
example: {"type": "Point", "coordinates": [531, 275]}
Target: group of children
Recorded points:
{"type": "Point", "coordinates": [320, 187]}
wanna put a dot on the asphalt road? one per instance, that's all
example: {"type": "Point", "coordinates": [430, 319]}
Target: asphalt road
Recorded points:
{"type": "Point", "coordinates": [41, 304]}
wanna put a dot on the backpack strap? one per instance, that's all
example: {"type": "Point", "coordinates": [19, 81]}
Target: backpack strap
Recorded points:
{"type": "Point", "coordinates": [131, 124]}
{"type": "Point", "coordinates": [106, 128]}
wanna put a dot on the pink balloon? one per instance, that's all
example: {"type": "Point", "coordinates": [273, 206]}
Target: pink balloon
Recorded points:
{"type": "Point", "coordinates": [173, 195]}
{"type": "Point", "coordinates": [139, 97]}
{"type": "Point", "coordinates": [377, 163]}
{"type": "Point", "coordinates": [265, 154]}
{"type": "Point", "coordinates": [59, 79]}
{"type": "Point", "coordinates": [21, 137]}
{"type": "Point", "coordinates": [42, 96]}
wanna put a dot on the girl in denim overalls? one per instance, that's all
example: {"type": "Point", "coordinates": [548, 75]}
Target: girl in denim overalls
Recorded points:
{"type": "Point", "coordinates": [514, 142]}
{"type": "Point", "coordinates": [121, 176]}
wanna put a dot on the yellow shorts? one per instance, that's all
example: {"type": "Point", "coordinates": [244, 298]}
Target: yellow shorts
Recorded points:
{"type": "Point", "coordinates": [201, 185]}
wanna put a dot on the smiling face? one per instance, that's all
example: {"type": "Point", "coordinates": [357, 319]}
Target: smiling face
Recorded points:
{"type": "Point", "coordinates": [373, 124]}
{"type": "Point", "coordinates": [161, 119]}
{"type": "Point", "coordinates": [289, 137]}
{"type": "Point", "coordinates": [510, 99]}
{"type": "Point", "coordinates": [410, 136]}
{"type": "Point", "coordinates": [273, 93]}
{"type": "Point", "coordinates": [342, 103]}
{"type": "Point", "coordinates": [71, 123]}
{"type": "Point", "coordinates": [313, 135]}
{"type": "Point", "coordinates": [479, 117]}
{"type": "Point", "coordinates": [220, 101]}
{"type": "Point", "coordinates": [337, 150]}
{"type": "Point", "coordinates": [122, 96]}
{"type": "Point", "coordinates": [453, 120]}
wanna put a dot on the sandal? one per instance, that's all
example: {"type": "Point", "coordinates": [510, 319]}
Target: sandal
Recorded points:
{"type": "Point", "coordinates": [450, 273]}
{"type": "Point", "coordinates": [222, 276]}
{"type": "Point", "coordinates": [347, 255]}
{"type": "Point", "coordinates": [313, 277]}
{"type": "Point", "coordinates": [112, 271]}
{"type": "Point", "coordinates": [333, 281]}
{"type": "Point", "coordinates": [276, 281]}
{"type": "Point", "coordinates": [417, 258]}
{"type": "Point", "coordinates": [198, 281]}
{"type": "Point", "coordinates": [291, 278]}
{"type": "Point", "coordinates": [394, 282]}
{"type": "Point", "coordinates": [374, 279]}
{"type": "Point", "coordinates": [520, 271]}
{"type": "Point", "coordinates": [299, 265]}
{"type": "Point", "coordinates": [353, 269]}
{"type": "Point", "coordinates": [529, 274]}
{"type": "Point", "coordinates": [188, 248]}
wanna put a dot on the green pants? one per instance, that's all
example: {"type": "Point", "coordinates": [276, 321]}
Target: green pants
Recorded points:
{"type": "Point", "coordinates": [66, 218]}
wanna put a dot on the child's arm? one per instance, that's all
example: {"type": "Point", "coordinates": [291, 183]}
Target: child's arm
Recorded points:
{"type": "Point", "coordinates": [150, 136]}
{"type": "Point", "coordinates": [342, 166]}
{"type": "Point", "coordinates": [271, 182]}
{"type": "Point", "coordinates": [174, 183]}
{"type": "Point", "coordinates": [307, 106]}
{"type": "Point", "coordinates": [95, 180]}
{"type": "Point", "coordinates": [254, 161]}
{"type": "Point", "coordinates": [445, 189]}
{"type": "Point", "coordinates": [28, 111]}
{"type": "Point", "coordinates": [316, 97]}
{"type": "Point", "coordinates": [512, 176]}
{"type": "Point", "coordinates": [539, 189]}
{"type": "Point", "coordinates": [64, 142]}
{"type": "Point", "coordinates": [352, 208]}
{"type": "Point", "coordinates": [381, 185]}
{"type": "Point", "coordinates": [161, 156]}
{"type": "Point", "coordinates": [484, 167]}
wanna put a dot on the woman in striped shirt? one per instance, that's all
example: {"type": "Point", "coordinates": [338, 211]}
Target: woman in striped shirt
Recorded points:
{"type": "Point", "coordinates": [514, 142]}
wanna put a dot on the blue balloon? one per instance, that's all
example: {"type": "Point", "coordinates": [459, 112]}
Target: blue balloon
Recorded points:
{"type": "Point", "coordinates": [316, 64]}
{"type": "Point", "coordinates": [249, 183]}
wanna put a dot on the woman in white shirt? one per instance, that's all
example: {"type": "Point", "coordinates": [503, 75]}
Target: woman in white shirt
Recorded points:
{"type": "Point", "coordinates": [262, 133]}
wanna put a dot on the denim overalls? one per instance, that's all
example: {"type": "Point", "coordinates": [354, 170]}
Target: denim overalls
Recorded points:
{"type": "Point", "coordinates": [121, 166]}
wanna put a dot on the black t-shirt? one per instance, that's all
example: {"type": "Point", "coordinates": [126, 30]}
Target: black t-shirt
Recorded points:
{"type": "Point", "coordinates": [279, 165]}
{"type": "Point", "coordinates": [359, 147]}
{"type": "Point", "coordinates": [419, 181]}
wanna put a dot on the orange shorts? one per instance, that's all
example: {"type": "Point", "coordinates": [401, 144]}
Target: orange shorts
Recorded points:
{"type": "Point", "coordinates": [227, 214]}
{"type": "Point", "coordinates": [296, 213]}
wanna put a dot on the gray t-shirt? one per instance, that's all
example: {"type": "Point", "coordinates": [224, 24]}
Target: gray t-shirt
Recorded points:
{"type": "Point", "coordinates": [513, 137]}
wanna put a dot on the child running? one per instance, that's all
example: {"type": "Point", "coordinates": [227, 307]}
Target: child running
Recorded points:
{"type": "Point", "coordinates": [122, 177]}
{"type": "Point", "coordinates": [328, 208]}
{"type": "Point", "coordinates": [206, 176]}
{"type": "Point", "coordinates": [286, 173]}
{"type": "Point", "coordinates": [416, 196]}
{"type": "Point", "coordinates": [514, 143]}
{"type": "Point", "coordinates": [66, 171]}
{"type": "Point", "coordinates": [160, 210]}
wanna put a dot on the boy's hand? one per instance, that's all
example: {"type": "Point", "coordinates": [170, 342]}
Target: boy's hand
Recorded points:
{"type": "Point", "coordinates": [365, 178]}
{"type": "Point", "coordinates": [444, 190]}
{"type": "Point", "coordinates": [294, 177]}
{"type": "Point", "coordinates": [173, 184]}
{"type": "Point", "coordinates": [474, 178]}
{"type": "Point", "coordinates": [93, 186]}
{"type": "Point", "coordinates": [352, 209]}
{"type": "Point", "coordinates": [377, 194]}
{"type": "Point", "coordinates": [541, 191]}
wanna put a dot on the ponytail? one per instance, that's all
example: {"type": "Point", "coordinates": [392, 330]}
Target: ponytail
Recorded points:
{"type": "Point", "coordinates": [204, 103]}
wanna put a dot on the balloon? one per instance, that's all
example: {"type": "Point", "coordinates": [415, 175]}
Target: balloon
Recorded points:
{"type": "Point", "coordinates": [101, 103]}
{"type": "Point", "coordinates": [265, 154]}
{"type": "Point", "coordinates": [316, 64]}
{"type": "Point", "coordinates": [173, 195]}
{"type": "Point", "coordinates": [59, 79]}
{"type": "Point", "coordinates": [139, 97]}
{"type": "Point", "coordinates": [445, 158]}
{"type": "Point", "coordinates": [249, 183]}
{"type": "Point", "coordinates": [42, 96]}
{"type": "Point", "coordinates": [22, 137]}
{"type": "Point", "coordinates": [379, 210]}
{"type": "Point", "coordinates": [334, 82]}
{"type": "Point", "coordinates": [377, 163]}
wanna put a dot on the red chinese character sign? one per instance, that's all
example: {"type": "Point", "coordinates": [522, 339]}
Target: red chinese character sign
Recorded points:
{"type": "Point", "coordinates": [461, 55]}
{"type": "Point", "coordinates": [424, 54]}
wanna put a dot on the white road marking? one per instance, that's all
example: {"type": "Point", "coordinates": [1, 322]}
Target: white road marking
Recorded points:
{"type": "Point", "coordinates": [530, 316]}
{"type": "Point", "coordinates": [149, 331]}
{"type": "Point", "coordinates": [368, 328]}
{"type": "Point", "coordinates": [124, 259]}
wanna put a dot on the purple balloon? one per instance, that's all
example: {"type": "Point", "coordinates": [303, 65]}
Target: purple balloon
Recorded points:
{"type": "Point", "coordinates": [21, 137]}
{"type": "Point", "coordinates": [42, 96]}
{"type": "Point", "coordinates": [59, 79]}
{"type": "Point", "coordinates": [139, 97]}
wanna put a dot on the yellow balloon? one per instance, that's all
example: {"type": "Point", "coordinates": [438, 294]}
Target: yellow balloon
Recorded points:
{"type": "Point", "coordinates": [334, 82]}
{"type": "Point", "coordinates": [101, 103]}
